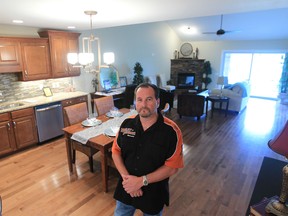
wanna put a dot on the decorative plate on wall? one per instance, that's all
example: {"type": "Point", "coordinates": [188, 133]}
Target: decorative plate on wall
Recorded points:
{"type": "Point", "coordinates": [186, 49]}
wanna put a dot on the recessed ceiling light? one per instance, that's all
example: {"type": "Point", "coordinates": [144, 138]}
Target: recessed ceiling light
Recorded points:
{"type": "Point", "coordinates": [17, 21]}
{"type": "Point", "coordinates": [71, 27]}
{"type": "Point", "coordinates": [189, 30]}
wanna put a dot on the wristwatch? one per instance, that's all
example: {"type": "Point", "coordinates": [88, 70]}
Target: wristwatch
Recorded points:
{"type": "Point", "coordinates": [145, 181]}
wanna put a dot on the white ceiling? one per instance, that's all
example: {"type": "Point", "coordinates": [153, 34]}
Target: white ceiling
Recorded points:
{"type": "Point", "coordinates": [254, 19]}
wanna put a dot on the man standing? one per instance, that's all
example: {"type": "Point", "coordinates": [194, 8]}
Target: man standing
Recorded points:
{"type": "Point", "coordinates": [146, 152]}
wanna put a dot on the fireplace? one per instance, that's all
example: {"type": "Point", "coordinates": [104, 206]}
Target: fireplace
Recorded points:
{"type": "Point", "coordinates": [186, 81]}
{"type": "Point", "coordinates": [187, 66]}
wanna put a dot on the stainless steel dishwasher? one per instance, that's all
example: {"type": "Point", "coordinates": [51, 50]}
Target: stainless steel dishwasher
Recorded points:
{"type": "Point", "coordinates": [49, 118]}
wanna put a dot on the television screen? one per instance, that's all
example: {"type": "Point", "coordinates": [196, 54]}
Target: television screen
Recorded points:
{"type": "Point", "coordinates": [186, 80]}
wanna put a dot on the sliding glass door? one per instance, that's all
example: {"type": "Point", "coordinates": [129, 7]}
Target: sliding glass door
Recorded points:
{"type": "Point", "coordinates": [262, 70]}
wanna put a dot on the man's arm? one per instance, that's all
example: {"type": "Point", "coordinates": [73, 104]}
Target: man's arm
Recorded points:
{"type": "Point", "coordinates": [118, 161]}
{"type": "Point", "coordinates": [133, 183]}
{"type": "Point", "coordinates": [161, 173]}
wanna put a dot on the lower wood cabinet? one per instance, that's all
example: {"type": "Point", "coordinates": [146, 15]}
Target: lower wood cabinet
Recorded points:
{"type": "Point", "coordinates": [17, 130]}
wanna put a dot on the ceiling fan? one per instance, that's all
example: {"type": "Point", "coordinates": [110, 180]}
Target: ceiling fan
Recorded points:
{"type": "Point", "coordinates": [220, 31]}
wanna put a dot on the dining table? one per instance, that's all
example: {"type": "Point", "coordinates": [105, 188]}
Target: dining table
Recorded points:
{"type": "Point", "coordinates": [101, 142]}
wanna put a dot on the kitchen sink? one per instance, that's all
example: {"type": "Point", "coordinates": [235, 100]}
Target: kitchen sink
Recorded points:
{"type": "Point", "coordinates": [12, 105]}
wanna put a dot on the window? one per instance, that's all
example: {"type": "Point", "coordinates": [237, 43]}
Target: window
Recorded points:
{"type": "Point", "coordinates": [262, 70]}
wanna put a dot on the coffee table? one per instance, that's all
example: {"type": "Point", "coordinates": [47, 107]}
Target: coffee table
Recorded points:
{"type": "Point", "coordinates": [217, 99]}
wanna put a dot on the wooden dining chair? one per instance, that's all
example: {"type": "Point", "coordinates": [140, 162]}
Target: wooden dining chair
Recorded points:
{"type": "Point", "coordinates": [165, 109]}
{"type": "Point", "coordinates": [75, 114]}
{"type": "Point", "coordinates": [103, 104]}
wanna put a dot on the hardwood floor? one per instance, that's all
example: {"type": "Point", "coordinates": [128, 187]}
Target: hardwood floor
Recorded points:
{"type": "Point", "coordinates": [222, 160]}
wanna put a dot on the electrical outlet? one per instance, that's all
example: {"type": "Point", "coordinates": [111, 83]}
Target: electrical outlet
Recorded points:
{"type": "Point", "coordinates": [41, 86]}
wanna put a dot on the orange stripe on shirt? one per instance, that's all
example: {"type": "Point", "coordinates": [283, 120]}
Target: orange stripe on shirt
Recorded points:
{"type": "Point", "coordinates": [176, 160]}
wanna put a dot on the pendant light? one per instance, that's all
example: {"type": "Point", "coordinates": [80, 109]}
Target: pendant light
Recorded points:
{"type": "Point", "coordinates": [86, 57]}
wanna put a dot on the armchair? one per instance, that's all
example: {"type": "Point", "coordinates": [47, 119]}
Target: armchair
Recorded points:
{"type": "Point", "coordinates": [166, 92]}
{"type": "Point", "coordinates": [190, 105]}
{"type": "Point", "coordinates": [129, 95]}
{"type": "Point", "coordinates": [166, 97]}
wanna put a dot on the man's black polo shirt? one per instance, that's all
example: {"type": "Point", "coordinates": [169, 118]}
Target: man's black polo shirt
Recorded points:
{"type": "Point", "coordinates": [145, 151]}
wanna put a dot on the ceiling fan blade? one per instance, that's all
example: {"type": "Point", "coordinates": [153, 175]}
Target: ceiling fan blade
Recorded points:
{"type": "Point", "coordinates": [209, 33]}
{"type": "Point", "coordinates": [233, 31]}
{"type": "Point", "coordinates": [221, 31]}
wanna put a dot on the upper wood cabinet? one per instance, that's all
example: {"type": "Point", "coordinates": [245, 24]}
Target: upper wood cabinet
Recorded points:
{"type": "Point", "coordinates": [36, 59]}
{"type": "Point", "coordinates": [61, 43]}
{"type": "Point", "coordinates": [10, 57]}
{"type": "Point", "coordinates": [28, 56]}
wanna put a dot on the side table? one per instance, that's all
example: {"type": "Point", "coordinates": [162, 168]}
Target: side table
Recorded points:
{"type": "Point", "coordinates": [217, 99]}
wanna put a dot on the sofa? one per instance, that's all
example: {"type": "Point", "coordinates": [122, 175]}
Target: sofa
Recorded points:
{"type": "Point", "coordinates": [238, 93]}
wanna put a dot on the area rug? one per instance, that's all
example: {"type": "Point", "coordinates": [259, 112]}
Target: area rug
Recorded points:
{"type": "Point", "coordinates": [269, 180]}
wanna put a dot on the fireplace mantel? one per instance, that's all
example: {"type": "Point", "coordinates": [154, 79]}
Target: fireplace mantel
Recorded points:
{"type": "Point", "coordinates": [186, 65]}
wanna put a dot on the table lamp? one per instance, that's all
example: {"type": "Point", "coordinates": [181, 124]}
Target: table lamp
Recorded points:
{"type": "Point", "coordinates": [222, 80]}
{"type": "Point", "coordinates": [280, 145]}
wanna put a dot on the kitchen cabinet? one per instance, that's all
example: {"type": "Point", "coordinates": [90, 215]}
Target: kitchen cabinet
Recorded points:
{"type": "Point", "coordinates": [36, 59]}
{"type": "Point", "coordinates": [17, 130]}
{"type": "Point", "coordinates": [73, 101]}
{"type": "Point", "coordinates": [7, 143]}
{"type": "Point", "coordinates": [10, 57]}
{"type": "Point", "coordinates": [30, 56]}
{"type": "Point", "coordinates": [61, 43]}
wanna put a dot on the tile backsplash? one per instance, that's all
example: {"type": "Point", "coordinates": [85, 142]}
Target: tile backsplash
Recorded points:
{"type": "Point", "coordinates": [12, 89]}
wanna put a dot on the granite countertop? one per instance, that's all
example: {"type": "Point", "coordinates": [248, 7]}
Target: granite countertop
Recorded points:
{"type": "Point", "coordinates": [40, 100]}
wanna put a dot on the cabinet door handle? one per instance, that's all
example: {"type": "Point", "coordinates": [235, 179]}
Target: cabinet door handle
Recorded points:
{"type": "Point", "coordinates": [26, 72]}
{"type": "Point", "coordinates": [14, 124]}
{"type": "Point", "coordinates": [8, 125]}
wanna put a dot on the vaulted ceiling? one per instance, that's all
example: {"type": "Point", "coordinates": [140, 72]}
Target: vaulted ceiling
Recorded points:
{"type": "Point", "coordinates": [249, 20]}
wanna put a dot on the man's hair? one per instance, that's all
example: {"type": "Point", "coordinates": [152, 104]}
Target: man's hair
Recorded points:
{"type": "Point", "coordinates": [147, 85]}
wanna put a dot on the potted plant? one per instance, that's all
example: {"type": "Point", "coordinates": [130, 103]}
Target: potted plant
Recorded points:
{"type": "Point", "coordinates": [206, 72]}
{"type": "Point", "coordinates": [138, 76]}
{"type": "Point", "coordinates": [113, 77]}
{"type": "Point", "coordinates": [95, 83]}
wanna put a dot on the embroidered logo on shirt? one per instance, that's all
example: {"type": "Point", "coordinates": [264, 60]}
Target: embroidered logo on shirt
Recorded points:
{"type": "Point", "coordinates": [128, 131]}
